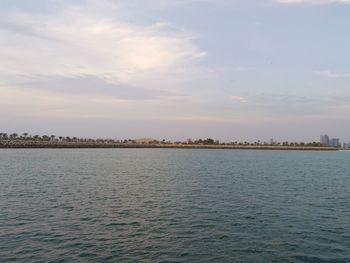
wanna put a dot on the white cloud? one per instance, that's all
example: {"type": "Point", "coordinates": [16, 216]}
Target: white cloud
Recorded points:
{"type": "Point", "coordinates": [78, 42]}
{"type": "Point", "coordinates": [238, 99]}
{"type": "Point", "coordinates": [81, 61]}
{"type": "Point", "coordinates": [333, 75]}
{"type": "Point", "coordinates": [313, 2]}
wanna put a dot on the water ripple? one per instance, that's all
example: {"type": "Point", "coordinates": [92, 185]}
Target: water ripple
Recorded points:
{"type": "Point", "coordinates": [142, 205]}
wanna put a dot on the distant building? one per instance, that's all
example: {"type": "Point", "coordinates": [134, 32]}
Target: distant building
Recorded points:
{"type": "Point", "coordinates": [346, 145]}
{"type": "Point", "coordinates": [334, 142]}
{"type": "Point", "coordinates": [324, 140]}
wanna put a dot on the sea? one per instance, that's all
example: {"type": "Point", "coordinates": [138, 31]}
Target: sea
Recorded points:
{"type": "Point", "coordinates": [174, 205]}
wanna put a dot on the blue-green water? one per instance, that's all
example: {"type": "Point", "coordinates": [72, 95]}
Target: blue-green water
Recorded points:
{"type": "Point", "coordinates": [155, 205]}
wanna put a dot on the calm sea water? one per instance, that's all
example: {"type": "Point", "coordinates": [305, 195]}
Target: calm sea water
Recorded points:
{"type": "Point", "coordinates": [158, 205]}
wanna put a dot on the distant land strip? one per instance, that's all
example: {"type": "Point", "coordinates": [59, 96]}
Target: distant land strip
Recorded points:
{"type": "Point", "coordinates": [16, 144]}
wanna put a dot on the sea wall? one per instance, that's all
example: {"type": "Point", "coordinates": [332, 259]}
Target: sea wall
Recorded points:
{"type": "Point", "coordinates": [13, 144]}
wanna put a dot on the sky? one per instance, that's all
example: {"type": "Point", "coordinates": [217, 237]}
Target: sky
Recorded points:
{"type": "Point", "coordinates": [176, 69]}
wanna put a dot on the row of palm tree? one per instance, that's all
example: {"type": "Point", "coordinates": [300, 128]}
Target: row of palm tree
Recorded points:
{"type": "Point", "coordinates": [25, 136]}
{"type": "Point", "coordinates": [53, 138]}
{"type": "Point", "coordinates": [208, 141]}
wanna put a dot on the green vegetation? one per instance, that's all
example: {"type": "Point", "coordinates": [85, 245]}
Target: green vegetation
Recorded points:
{"type": "Point", "coordinates": [27, 138]}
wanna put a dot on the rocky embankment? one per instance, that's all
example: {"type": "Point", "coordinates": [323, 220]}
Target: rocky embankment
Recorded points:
{"type": "Point", "coordinates": [18, 144]}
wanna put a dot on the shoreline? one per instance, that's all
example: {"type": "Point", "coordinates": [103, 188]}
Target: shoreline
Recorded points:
{"type": "Point", "coordinates": [77, 145]}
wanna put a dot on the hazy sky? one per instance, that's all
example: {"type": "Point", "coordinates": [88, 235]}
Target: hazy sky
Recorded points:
{"type": "Point", "coordinates": [176, 69]}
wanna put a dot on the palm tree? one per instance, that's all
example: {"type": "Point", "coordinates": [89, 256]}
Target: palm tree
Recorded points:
{"type": "Point", "coordinates": [45, 138]}
{"type": "Point", "coordinates": [13, 136]}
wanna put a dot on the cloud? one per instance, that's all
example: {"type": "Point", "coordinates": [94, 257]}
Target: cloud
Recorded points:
{"type": "Point", "coordinates": [78, 41]}
{"type": "Point", "coordinates": [238, 99]}
{"type": "Point", "coordinates": [165, 4]}
{"type": "Point", "coordinates": [313, 2]}
{"type": "Point", "coordinates": [288, 105]}
{"type": "Point", "coordinates": [88, 60]}
{"type": "Point", "coordinates": [332, 74]}
{"type": "Point", "coordinates": [94, 86]}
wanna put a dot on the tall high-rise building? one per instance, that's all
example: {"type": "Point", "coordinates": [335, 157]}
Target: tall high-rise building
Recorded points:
{"type": "Point", "coordinates": [334, 142]}
{"type": "Point", "coordinates": [324, 140]}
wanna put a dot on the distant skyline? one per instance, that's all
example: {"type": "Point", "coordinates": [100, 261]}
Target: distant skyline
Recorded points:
{"type": "Point", "coordinates": [176, 69]}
